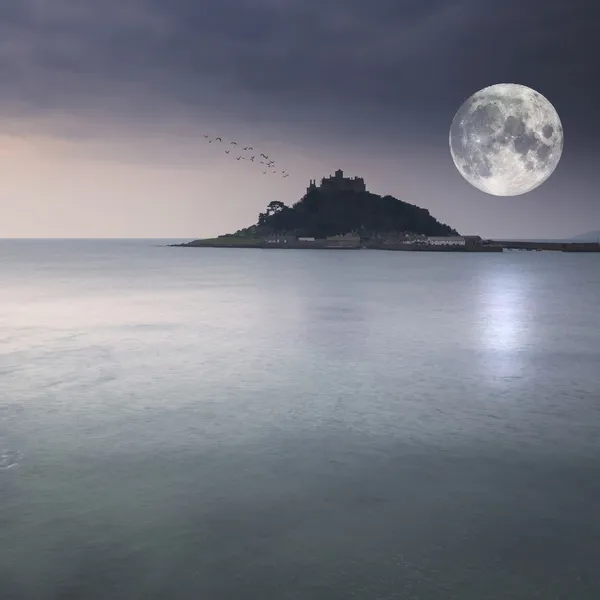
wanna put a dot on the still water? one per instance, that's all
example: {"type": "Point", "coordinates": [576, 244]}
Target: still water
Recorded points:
{"type": "Point", "coordinates": [297, 425]}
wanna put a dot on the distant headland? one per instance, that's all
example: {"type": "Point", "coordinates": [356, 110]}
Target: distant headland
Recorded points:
{"type": "Point", "coordinates": [340, 213]}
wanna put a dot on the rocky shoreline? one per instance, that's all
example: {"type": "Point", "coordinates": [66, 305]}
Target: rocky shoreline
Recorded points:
{"type": "Point", "coordinates": [324, 245]}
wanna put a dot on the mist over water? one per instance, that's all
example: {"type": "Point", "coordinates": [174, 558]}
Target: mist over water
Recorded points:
{"type": "Point", "coordinates": [222, 423]}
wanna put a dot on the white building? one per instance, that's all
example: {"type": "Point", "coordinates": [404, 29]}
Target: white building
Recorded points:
{"type": "Point", "coordinates": [447, 241]}
{"type": "Point", "coordinates": [279, 239]}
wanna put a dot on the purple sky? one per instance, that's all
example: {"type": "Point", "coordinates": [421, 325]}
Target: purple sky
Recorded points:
{"type": "Point", "coordinates": [103, 107]}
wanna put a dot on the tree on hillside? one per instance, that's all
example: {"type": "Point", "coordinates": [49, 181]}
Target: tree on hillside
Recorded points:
{"type": "Point", "coordinates": [274, 207]}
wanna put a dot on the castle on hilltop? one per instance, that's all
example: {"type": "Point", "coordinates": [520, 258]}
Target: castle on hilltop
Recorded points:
{"type": "Point", "coordinates": [338, 183]}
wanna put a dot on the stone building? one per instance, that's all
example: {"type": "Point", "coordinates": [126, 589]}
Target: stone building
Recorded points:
{"type": "Point", "coordinates": [337, 182]}
{"type": "Point", "coordinates": [473, 240]}
{"type": "Point", "coordinates": [455, 240]}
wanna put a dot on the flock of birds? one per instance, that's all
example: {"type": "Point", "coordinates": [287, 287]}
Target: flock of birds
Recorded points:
{"type": "Point", "coordinates": [248, 153]}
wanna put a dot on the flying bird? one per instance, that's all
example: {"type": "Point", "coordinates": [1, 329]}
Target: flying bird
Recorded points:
{"type": "Point", "coordinates": [239, 158]}
{"type": "Point", "coordinates": [234, 143]}
{"type": "Point", "coordinates": [219, 139]}
{"type": "Point", "coordinates": [252, 158]}
{"type": "Point", "coordinates": [206, 135]}
{"type": "Point", "coordinates": [226, 151]}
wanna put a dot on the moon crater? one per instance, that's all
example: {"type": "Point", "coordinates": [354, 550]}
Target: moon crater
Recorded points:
{"type": "Point", "coordinates": [506, 139]}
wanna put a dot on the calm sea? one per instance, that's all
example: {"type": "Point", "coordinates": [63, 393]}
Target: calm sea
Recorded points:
{"type": "Point", "coordinates": [224, 424]}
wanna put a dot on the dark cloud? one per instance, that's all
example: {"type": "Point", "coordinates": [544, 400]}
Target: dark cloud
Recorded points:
{"type": "Point", "coordinates": [381, 64]}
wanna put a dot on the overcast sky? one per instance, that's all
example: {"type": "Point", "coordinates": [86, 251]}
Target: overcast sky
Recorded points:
{"type": "Point", "coordinates": [104, 104]}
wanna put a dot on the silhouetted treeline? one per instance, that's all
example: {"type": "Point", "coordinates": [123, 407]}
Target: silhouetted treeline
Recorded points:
{"type": "Point", "coordinates": [322, 214]}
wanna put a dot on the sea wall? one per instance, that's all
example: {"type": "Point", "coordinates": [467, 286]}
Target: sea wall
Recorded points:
{"type": "Point", "coordinates": [555, 246]}
{"type": "Point", "coordinates": [432, 248]}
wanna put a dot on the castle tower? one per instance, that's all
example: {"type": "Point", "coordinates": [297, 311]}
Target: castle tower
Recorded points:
{"type": "Point", "coordinates": [338, 182]}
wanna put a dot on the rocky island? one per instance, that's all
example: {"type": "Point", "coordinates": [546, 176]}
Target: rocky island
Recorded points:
{"type": "Point", "coordinates": [341, 213]}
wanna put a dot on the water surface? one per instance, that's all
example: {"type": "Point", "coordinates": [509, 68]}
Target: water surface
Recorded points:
{"type": "Point", "coordinates": [232, 424]}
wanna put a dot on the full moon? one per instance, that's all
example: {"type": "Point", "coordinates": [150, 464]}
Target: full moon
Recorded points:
{"type": "Point", "coordinates": [506, 139]}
